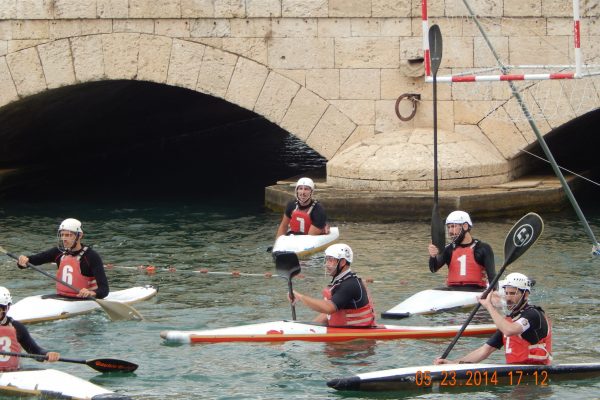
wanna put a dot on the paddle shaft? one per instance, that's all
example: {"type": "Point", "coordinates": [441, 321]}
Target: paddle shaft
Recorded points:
{"type": "Point", "coordinates": [41, 357]}
{"type": "Point", "coordinates": [472, 314]}
{"type": "Point", "coordinates": [291, 291]}
{"type": "Point", "coordinates": [437, 229]}
{"type": "Point", "coordinates": [288, 266]}
{"type": "Point", "coordinates": [101, 364]}
{"type": "Point", "coordinates": [30, 265]}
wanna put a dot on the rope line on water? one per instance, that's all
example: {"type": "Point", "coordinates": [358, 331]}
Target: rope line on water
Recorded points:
{"type": "Point", "coordinates": [151, 270]}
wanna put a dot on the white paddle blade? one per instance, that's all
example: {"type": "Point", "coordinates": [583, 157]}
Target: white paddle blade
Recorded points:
{"type": "Point", "coordinates": [119, 311]}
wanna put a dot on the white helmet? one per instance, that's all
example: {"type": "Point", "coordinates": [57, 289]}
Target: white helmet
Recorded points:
{"type": "Point", "coordinates": [340, 251]}
{"type": "Point", "coordinates": [458, 217]}
{"type": "Point", "coordinates": [305, 182]}
{"type": "Point", "coordinates": [518, 281]}
{"type": "Point", "coordinates": [5, 298]}
{"type": "Point", "coordinates": [70, 224]}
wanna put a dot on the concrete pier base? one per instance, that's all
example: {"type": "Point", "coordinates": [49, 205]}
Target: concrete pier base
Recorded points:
{"type": "Point", "coordinates": [532, 193]}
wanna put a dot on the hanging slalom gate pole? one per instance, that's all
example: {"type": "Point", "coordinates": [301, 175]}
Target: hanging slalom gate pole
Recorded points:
{"type": "Point", "coordinates": [540, 138]}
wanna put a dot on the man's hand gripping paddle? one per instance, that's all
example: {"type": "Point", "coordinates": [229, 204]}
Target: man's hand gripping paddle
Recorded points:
{"type": "Point", "coordinates": [287, 266]}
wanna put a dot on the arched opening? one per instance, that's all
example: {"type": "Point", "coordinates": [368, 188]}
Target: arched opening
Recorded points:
{"type": "Point", "coordinates": [130, 139]}
{"type": "Point", "coordinates": [574, 147]}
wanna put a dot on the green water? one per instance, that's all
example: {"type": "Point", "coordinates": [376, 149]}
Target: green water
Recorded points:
{"type": "Point", "coordinates": [227, 236]}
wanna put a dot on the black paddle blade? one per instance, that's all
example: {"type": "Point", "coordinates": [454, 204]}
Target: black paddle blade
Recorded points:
{"type": "Point", "coordinates": [111, 365]}
{"type": "Point", "coordinates": [435, 48]}
{"type": "Point", "coordinates": [522, 236]}
{"type": "Point", "coordinates": [287, 264]}
{"type": "Point", "coordinates": [438, 233]}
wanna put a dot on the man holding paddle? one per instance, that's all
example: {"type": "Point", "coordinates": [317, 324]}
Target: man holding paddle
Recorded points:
{"type": "Point", "coordinates": [304, 215]}
{"type": "Point", "coordinates": [346, 300]}
{"type": "Point", "coordinates": [524, 332]}
{"type": "Point", "coordinates": [14, 336]}
{"type": "Point", "coordinates": [78, 265]}
{"type": "Point", "coordinates": [470, 261]}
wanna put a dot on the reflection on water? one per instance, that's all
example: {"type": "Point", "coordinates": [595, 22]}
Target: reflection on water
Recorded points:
{"type": "Point", "coordinates": [227, 236]}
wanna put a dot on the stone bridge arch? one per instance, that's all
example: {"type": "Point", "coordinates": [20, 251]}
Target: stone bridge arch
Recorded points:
{"type": "Point", "coordinates": [183, 63]}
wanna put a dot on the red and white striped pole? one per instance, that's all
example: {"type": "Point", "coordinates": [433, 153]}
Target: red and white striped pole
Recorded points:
{"type": "Point", "coordinates": [424, 23]}
{"type": "Point", "coordinates": [577, 38]}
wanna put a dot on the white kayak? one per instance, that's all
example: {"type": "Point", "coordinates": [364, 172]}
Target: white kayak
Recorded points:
{"type": "Point", "coordinates": [304, 245]}
{"type": "Point", "coordinates": [432, 301]}
{"type": "Point", "coordinates": [282, 331]}
{"type": "Point", "coordinates": [466, 376]}
{"type": "Point", "coordinates": [51, 307]}
{"type": "Point", "coordinates": [53, 384]}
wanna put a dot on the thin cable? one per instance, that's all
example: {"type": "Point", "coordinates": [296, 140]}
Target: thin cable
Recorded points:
{"type": "Point", "coordinates": [564, 169]}
{"type": "Point", "coordinates": [540, 138]}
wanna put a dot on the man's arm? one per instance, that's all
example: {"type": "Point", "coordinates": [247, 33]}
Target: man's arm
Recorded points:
{"type": "Point", "coordinates": [97, 267]}
{"type": "Point", "coordinates": [44, 257]}
{"type": "Point", "coordinates": [25, 339]}
{"type": "Point", "coordinates": [508, 328]}
{"type": "Point", "coordinates": [320, 305]}
{"type": "Point", "coordinates": [318, 219]}
{"type": "Point", "coordinates": [436, 261]}
{"type": "Point", "coordinates": [475, 356]}
{"type": "Point", "coordinates": [485, 257]}
{"type": "Point", "coordinates": [283, 226]}
{"type": "Point", "coordinates": [30, 346]}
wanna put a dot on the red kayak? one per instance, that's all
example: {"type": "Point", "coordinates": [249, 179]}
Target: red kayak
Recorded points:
{"type": "Point", "coordinates": [282, 331]}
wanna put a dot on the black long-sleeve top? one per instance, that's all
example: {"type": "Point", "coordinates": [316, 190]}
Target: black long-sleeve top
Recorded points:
{"type": "Point", "coordinates": [91, 265]}
{"type": "Point", "coordinates": [484, 255]}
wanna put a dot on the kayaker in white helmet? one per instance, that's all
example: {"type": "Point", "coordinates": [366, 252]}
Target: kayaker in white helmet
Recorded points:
{"type": "Point", "coordinates": [346, 300]}
{"type": "Point", "coordinates": [525, 331]}
{"type": "Point", "coordinates": [304, 215]}
{"type": "Point", "coordinates": [470, 261]}
{"type": "Point", "coordinates": [16, 337]}
{"type": "Point", "coordinates": [78, 264]}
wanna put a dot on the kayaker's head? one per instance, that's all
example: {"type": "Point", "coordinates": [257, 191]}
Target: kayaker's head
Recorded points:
{"type": "Point", "coordinates": [69, 234]}
{"type": "Point", "coordinates": [458, 225]}
{"type": "Point", "coordinates": [516, 288]}
{"type": "Point", "coordinates": [304, 190]}
{"type": "Point", "coordinates": [338, 258]}
{"type": "Point", "coordinates": [5, 302]}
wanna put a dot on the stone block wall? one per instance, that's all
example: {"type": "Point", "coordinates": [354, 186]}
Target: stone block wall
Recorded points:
{"type": "Point", "coordinates": [328, 71]}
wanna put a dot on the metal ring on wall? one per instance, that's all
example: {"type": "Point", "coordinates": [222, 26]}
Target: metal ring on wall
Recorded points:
{"type": "Point", "coordinates": [414, 98]}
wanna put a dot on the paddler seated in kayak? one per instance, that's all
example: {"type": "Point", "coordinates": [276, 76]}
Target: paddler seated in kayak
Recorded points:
{"type": "Point", "coordinates": [346, 301]}
{"type": "Point", "coordinates": [78, 264]}
{"type": "Point", "coordinates": [470, 261]}
{"type": "Point", "coordinates": [304, 215]}
{"type": "Point", "coordinates": [14, 336]}
{"type": "Point", "coordinates": [525, 331]}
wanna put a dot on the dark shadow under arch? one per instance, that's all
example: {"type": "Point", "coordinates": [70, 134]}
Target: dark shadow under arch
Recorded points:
{"type": "Point", "coordinates": [574, 146]}
{"type": "Point", "coordinates": [138, 138]}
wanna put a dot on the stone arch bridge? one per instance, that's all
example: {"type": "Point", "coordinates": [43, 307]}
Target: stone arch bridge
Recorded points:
{"type": "Point", "coordinates": [327, 71]}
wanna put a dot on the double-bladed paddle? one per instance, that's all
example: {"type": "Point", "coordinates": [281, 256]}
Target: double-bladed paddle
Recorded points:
{"type": "Point", "coordinates": [287, 266]}
{"type": "Point", "coordinates": [116, 311]}
{"type": "Point", "coordinates": [99, 364]}
{"type": "Point", "coordinates": [521, 237]}
{"type": "Point", "coordinates": [438, 235]}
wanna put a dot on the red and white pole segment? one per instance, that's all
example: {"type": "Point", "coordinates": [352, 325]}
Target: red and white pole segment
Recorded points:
{"type": "Point", "coordinates": [577, 38]}
{"type": "Point", "coordinates": [426, 53]}
{"type": "Point", "coordinates": [503, 77]}
{"type": "Point", "coordinates": [506, 77]}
